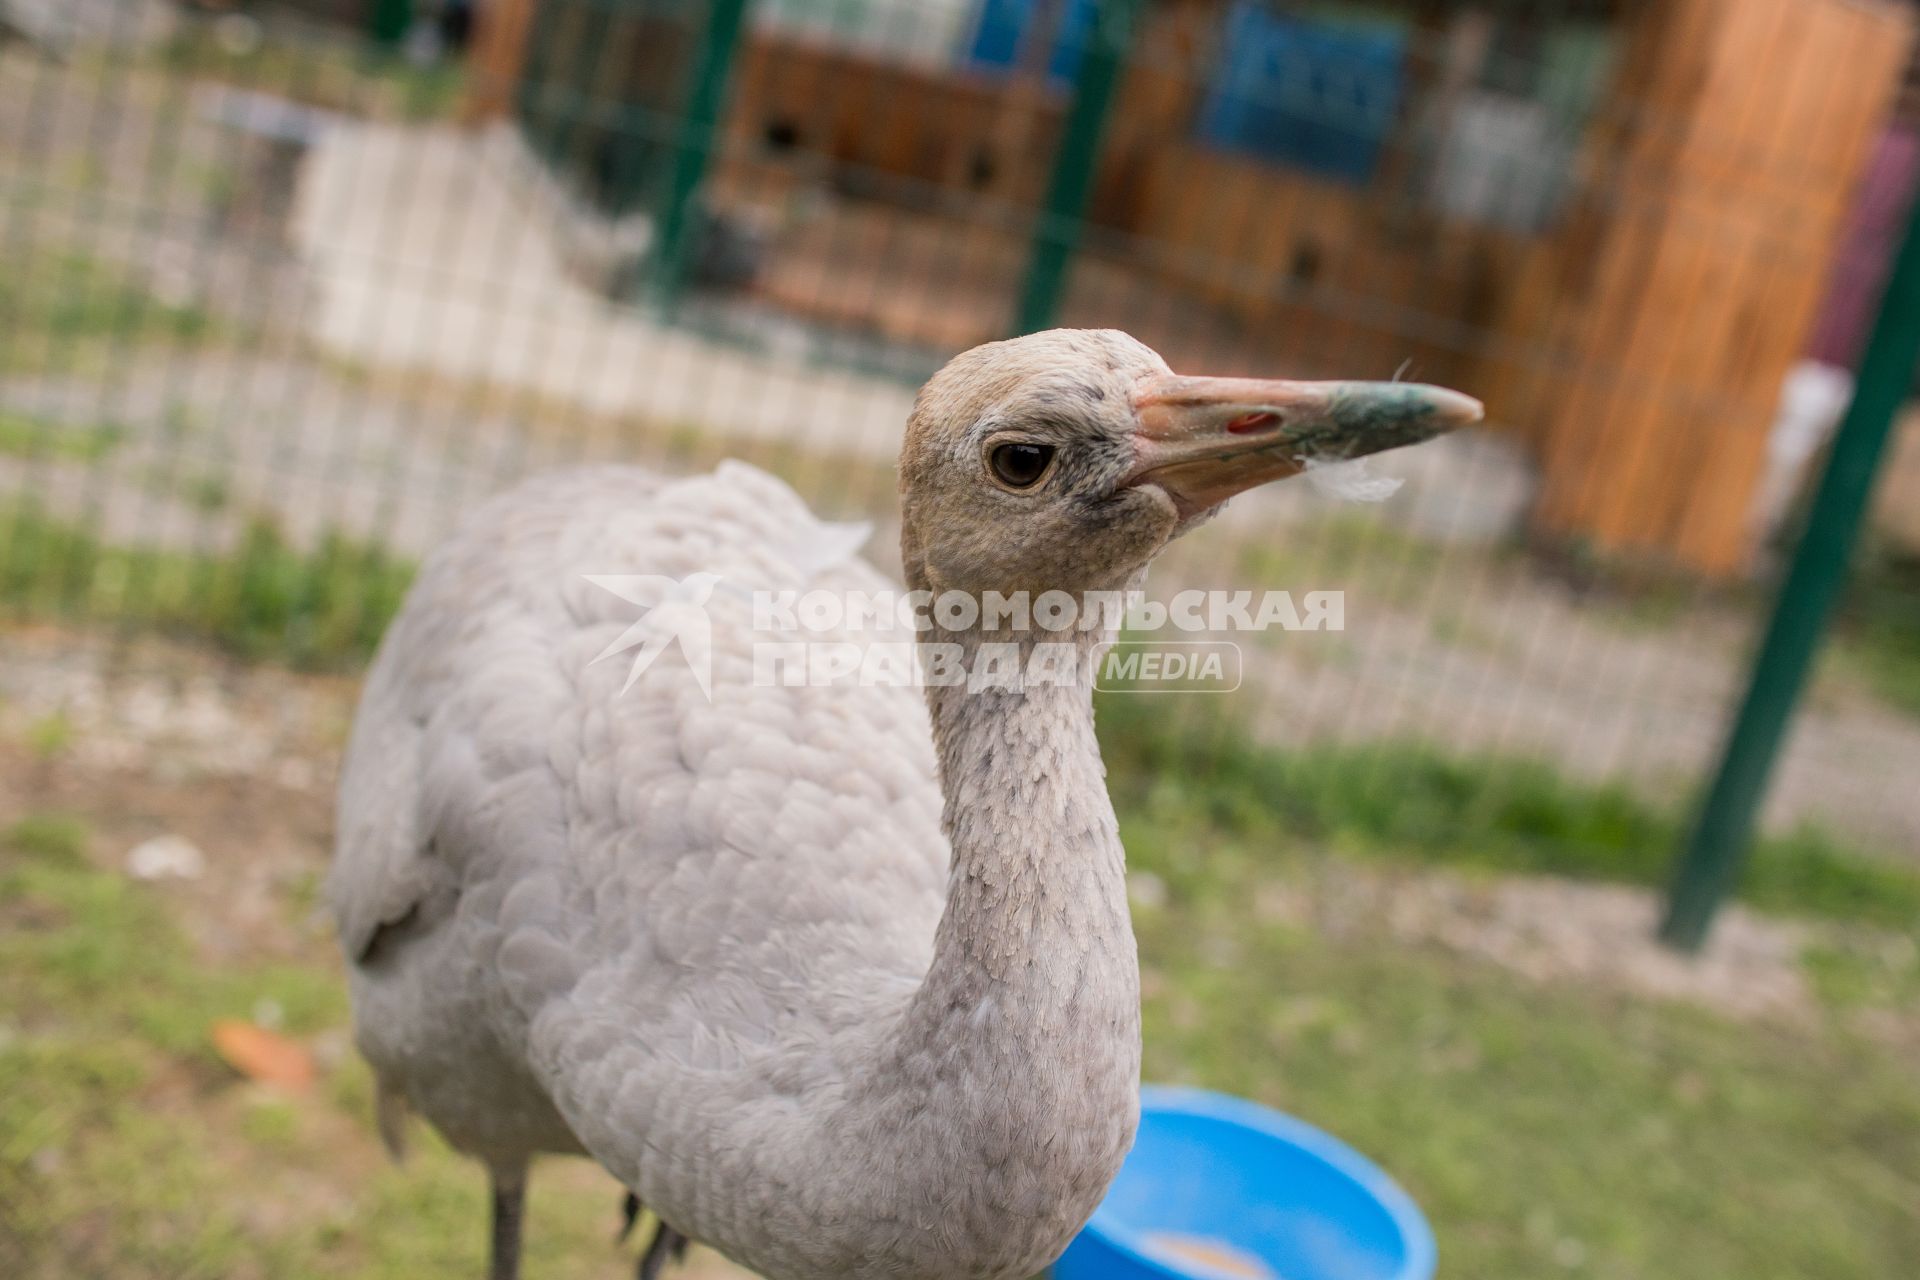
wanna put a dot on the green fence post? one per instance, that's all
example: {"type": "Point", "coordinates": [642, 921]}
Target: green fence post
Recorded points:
{"type": "Point", "coordinates": [1058, 231]}
{"type": "Point", "coordinates": [1710, 864]}
{"type": "Point", "coordinates": [693, 148]}
{"type": "Point", "coordinates": [389, 20]}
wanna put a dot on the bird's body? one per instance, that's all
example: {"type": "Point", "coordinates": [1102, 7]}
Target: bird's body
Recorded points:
{"type": "Point", "coordinates": [839, 980]}
{"type": "Point", "coordinates": [670, 933]}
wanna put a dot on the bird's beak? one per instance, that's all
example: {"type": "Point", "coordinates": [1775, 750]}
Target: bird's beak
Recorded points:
{"type": "Point", "coordinates": [1202, 440]}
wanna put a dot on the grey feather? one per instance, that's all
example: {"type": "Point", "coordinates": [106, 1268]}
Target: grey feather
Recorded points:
{"type": "Point", "coordinates": [839, 981]}
{"type": "Point", "coordinates": [671, 933]}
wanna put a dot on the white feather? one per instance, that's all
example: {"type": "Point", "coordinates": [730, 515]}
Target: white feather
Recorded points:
{"type": "Point", "coordinates": [1350, 480]}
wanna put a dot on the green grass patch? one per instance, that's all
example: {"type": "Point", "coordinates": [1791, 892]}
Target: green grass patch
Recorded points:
{"type": "Point", "coordinates": [69, 311]}
{"type": "Point", "coordinates": [1545, 1129]}
{"type": "Point", "coordinates": [203, 489]}
{"type": "Point", "coordinates": [50, 736]}
{"type": "Point", "coordinates": [1878, 635]}
{"type": "Point", "coordinates": [323, 607]}
{"type": "Point", "coordinates": [1346, 550]}
{"type": "Point", "coordinates": [127, 1149]}
{"type": "Point", "coordinates": [97, 953]}
{"type": "Point", "coordinates": [24, 435]}
{"type": "Point", "coordinates": [207, 491]}
{"type": "Point", "coordinates": [1857, 972]}
{"type": "Point", "coordinates": [59, 839]}
{"type": "Point", "coordinates": [1548, 1130]}
{"type": "Point", "coordinates": [1409, 802]}
{"type": "Point", "coordinates": [321, 69]}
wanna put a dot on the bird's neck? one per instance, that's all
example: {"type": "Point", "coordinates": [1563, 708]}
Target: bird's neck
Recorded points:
{"type": "Point", "coordinates": [1036, 900]}
{"type": "Point", "coordinates": [1017, 1060]}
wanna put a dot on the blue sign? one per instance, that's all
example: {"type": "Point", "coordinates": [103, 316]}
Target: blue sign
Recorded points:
{"type": "Point", "coordinates": [1310, 95]}
{"type": "Point", "coordinates": [1005, 23]}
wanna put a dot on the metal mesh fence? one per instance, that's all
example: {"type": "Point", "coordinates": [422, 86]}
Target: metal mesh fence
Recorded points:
{"type": "Point", "coordinates": [281, 306]}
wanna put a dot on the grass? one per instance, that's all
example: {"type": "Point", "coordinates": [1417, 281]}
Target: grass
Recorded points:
{"type": "Point", "coordinates": [208, 491]}
{"type": "Point", "coordinates": [320, 69]}
{"type": "Point", "coordinates": [84, 313]}
{"type": "Point", "coordinates": [1344, 550]}
{"type": "Point", "coordinates": [128, 1149]}
{"type": "Point", "coordinates": [1866, 972]}
{"type": "Point", "coordinates": [49, 736]}
{"type": "Point", "coordinates": [58, 839]}
{"type": "Point", "coordinates": [1549, 1131]}
{"type": "Point", "coordinates": [24, 435]}
{"type": "Point", "coordinates": [1546, 1130]}
{"type": "Point", "coordinates": [1409, 802]}
{"type": "Point", "coordinates": [108, 1164]}
{"type": "Point", "coordinates": [319, 608]}
{"type": "Point", "coordinates": [1878, 635]}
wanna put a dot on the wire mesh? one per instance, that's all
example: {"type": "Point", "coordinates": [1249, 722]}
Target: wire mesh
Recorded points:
{"type": "Point", "coordinates": [277, 294]}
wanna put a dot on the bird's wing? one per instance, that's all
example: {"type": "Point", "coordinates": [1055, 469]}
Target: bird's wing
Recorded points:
{"type": "Point", "coordinates": [382, 866]}
{"type": "Point", "coordinates": [703, 878]}
{"type": "Point", "coordinates": [447, 755]}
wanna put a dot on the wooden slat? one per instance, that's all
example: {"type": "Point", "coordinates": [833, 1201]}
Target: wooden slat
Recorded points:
{"type": "Point", "coordinates": [499, 57]}
{"type": "Point", "coordinates": [1693, 286]}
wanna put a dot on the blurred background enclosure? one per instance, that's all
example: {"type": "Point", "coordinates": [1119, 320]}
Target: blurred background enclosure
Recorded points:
{"type": "Point", "coordinates": [274, 291]}
{"type": "Point", "coordinates": [287, 289]}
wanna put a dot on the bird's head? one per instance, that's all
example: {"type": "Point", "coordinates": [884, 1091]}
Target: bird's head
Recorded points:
{"type": "Point", "coordinates": [1067, 460]}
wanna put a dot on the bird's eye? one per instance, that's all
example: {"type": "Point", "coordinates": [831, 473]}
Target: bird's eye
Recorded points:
{"type": "Point", "coordinates": [1020, 466]}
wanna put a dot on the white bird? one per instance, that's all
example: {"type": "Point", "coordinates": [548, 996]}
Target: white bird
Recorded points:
{"type": "Point", "coordinates": [838, 980]}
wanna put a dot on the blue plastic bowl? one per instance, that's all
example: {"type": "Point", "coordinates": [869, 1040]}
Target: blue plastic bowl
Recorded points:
{"type": "Point", "coordinates": [1258, 1186]}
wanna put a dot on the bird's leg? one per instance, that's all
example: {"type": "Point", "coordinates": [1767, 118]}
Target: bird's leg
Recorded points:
{"type": "Point", "coordinates": [666, 1243]}
{"type": "Point", "coordinates": [509, 1208]}
{"type": "Point", "coordinates": [629, 1214]}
